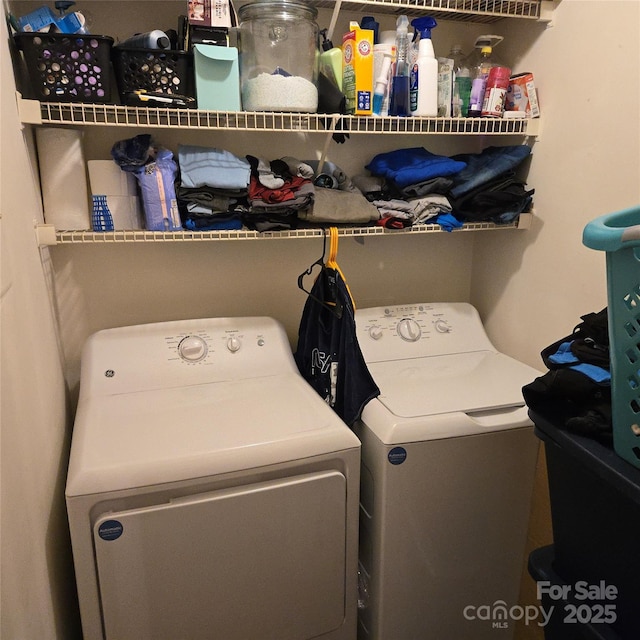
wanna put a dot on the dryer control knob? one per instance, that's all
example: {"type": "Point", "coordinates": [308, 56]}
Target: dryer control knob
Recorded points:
{"type": "Point", "coordinates": [192, 348]}
{"type": "Point", "coordinates": [375, 332]}
{"type": "Point", "coordinates": [442, 326]}
{"type": "Point", "coordinates": [409, 330]}
{"type": "Point", "coordinates": [233, 344]}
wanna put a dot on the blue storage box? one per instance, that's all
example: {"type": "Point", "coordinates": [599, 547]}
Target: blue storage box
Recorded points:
{"type": "Point", "coordinates": [217, 77]}
{"type": "Point", "coordinates": [619, 235]}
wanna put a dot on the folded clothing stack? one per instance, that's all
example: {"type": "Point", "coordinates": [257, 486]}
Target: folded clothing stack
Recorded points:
{"type": "Point", "coordinates": [413, 186]}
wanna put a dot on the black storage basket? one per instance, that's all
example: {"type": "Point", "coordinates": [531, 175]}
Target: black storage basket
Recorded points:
{"type": "Point", "coordinates": [67, 67]}
{"type": "Point", "coordinates": [158, 70]}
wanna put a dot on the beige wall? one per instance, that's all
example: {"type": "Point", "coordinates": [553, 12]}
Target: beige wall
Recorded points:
{"type": "Point", "coordinates": [530, 287]}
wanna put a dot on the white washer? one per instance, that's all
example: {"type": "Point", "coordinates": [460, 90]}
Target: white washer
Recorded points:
{"type": "Point", "coordinates": [211, 492]}
{"type": "Point", "coordinates": [448, 462]}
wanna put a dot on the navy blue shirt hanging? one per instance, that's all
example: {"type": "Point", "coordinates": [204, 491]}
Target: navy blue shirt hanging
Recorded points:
{"type": "Point", "coordinates": [328, 354]}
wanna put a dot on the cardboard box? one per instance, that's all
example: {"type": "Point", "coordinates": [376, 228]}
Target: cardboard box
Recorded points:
{"type": "Point", "coordinates": [522, 95]}
{"type": "Point", "coordinates": [209, 13]}
{"type": "Point", "coordinates": [357, 70]}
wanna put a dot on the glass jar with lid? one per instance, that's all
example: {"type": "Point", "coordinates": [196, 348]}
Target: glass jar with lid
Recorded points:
{"type": "Point", "coordinates": [278, 43]}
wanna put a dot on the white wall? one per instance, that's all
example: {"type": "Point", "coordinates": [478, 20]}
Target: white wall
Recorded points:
{"type": "Point", "coordinates": [37, 578]}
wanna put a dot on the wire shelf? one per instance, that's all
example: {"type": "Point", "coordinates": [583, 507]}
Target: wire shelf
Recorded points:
{"type": "Point", "coordinates": [482, 11]}
{"type": "Point", "coordinates": [141, 235]}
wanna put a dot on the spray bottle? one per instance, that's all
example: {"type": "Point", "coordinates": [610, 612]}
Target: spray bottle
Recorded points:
{"type": "Point", "coordinates": [424, 74]}
{"type": "Point", "coordinates": [399, 105]}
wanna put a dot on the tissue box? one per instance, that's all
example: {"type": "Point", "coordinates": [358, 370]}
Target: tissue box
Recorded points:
{"type": "Point", "coordinates": [217, 77]}
{"type": "Point", "coordinates": [108, 179]}
{"type": "Point", "coordinates": [121, 189]}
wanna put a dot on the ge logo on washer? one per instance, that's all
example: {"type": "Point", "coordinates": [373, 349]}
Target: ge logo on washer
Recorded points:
{"type": "Point", "coordinates": [397, 455]}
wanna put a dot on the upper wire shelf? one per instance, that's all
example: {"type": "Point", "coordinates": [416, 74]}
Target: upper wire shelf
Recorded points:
{"type": "Point", "coordinates": [34, 112]}
{"type": "Point", "coordinates": [482, 11]}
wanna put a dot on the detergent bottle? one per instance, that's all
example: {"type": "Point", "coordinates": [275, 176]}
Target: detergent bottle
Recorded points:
{"type": "Point", "coordinates": [424, 73]}
{"type": "Point", "coordinates": [399, 105]}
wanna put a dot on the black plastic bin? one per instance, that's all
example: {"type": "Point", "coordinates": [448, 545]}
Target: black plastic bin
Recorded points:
{"type": "Point", "coordinates": [67, 67]}
{"type": "Point", "coordinates": [569, 618]}
{"type": "Point", "coordinates": [157, 70]}
{"type": "Point", "coordinates": [595, 516]}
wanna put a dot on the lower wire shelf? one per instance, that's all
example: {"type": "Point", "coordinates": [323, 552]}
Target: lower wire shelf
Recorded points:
{"type": "Point", "coordinates": [47, 234]}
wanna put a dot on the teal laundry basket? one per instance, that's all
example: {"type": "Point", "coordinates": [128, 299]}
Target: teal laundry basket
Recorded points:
{"type": "Point", "coordinates": [619, 235]}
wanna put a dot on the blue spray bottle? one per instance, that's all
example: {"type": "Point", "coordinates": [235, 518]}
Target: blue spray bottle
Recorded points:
{"type": "Point", "coordinates": [399, 105]}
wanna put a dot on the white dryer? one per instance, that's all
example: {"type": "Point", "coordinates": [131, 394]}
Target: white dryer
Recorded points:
{"type": "Point", "coordinates": [211, 492]}
{"type": "Point", "coordinates": [448, 462]}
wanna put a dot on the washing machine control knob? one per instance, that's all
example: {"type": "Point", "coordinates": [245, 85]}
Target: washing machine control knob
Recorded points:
{"type": "Point", "coordinates": [409, 330]}
{"type": "Point", "coordinates": [192, 348]}
{"type": "Point", "coordinates": [233, 344]}
{"type": "Point", "coordinates": [442, 326]}
{"type": "Point", "coordinates": [375, 332]}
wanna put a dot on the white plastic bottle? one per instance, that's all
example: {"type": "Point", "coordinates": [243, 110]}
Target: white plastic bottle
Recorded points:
{"type": "Point", "coordinates": [425, 70]}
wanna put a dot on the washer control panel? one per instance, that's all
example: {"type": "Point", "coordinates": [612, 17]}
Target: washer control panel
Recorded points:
{"type": "Point", "coordinates": [417, 330]}
{"type": "Point", "coordinates": [169, 354]}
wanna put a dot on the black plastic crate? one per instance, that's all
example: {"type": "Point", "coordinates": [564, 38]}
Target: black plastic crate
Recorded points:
{"type": "Point", "coordinates": [568, 618]}
{"type": "Point", "coordinates": [595, 517]}
{"type": "Point", "coordinates": [153, 70]}
{"type": "Point", "coordinates": [67, 67]}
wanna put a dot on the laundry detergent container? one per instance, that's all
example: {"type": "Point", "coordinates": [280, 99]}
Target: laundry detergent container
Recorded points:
{"type": "Point", "coordinates": [277, 41]}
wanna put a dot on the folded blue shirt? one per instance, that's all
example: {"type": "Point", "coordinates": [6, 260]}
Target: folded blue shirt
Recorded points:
{"type": "Point", "coordinates": [410, 166]}
{"type": "Point", "coordinates": [216, 168]}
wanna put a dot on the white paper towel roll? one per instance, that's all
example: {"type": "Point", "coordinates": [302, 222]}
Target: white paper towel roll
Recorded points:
{"type": "Point", "coordinates": [63, 177]}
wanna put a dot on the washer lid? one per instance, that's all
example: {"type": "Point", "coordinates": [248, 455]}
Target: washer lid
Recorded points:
{"type": "Point", "coordinates": [166, 435]}
{"type": "Point", "coordinates": [466, 382]}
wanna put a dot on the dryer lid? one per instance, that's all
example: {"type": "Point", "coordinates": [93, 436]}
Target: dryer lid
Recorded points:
{"type": "Point", "coordinates": [466, 382]}
{"type": "Point", "coordinates": [168, 435]}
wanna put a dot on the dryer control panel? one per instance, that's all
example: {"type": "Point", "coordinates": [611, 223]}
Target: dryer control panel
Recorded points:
{"type": "Point", "coordinates": [184, 352]}
{"type": "Point", "coordinates": [420, 330]}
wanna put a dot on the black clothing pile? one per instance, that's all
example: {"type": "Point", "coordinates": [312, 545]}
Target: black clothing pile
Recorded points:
{"type": "Point", "coordinates": [576, 391]}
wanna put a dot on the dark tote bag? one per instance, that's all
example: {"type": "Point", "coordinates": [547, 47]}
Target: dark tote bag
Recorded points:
{"type": "Point", "coordinates": [328, 354]}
